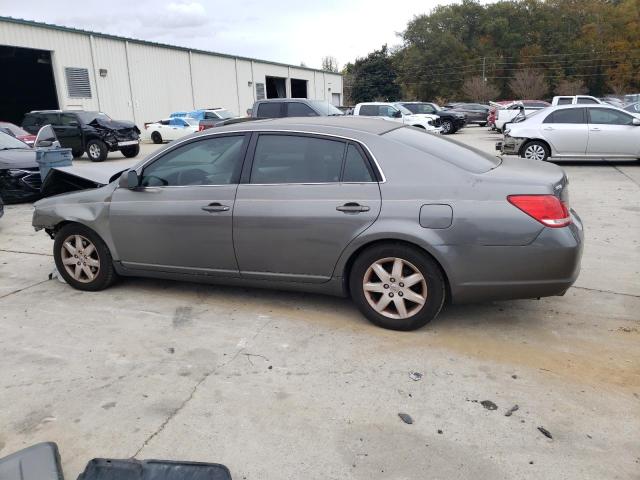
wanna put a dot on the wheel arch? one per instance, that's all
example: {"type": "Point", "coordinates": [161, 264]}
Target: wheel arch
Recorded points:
{"type": "Point", "coordinates": [346, 270]}
{"type": "Point", "coordinates": [529, 140]}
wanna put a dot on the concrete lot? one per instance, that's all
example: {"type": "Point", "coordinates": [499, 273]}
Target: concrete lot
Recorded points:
{"type": "Point", "coordinates": [279, 385]}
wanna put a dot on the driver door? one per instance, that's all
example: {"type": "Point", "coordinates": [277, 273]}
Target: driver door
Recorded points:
{"type": "Point", "coordinates": [180, 218]}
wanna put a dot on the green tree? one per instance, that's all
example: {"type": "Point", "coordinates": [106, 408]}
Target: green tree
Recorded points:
{"type": "Point", "coordinates": [372, 78]}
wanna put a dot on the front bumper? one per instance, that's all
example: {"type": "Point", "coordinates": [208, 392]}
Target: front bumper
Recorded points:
{"type": "Point", "coordinates": [546, 267]}
{"type": "Point", "coordinates": [20, 185]}
{"type": "Point", "coordinates": [510, 145]}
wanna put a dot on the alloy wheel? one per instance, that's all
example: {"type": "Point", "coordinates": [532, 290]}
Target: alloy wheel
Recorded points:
{"type": "Point", "coordinates": [394, 288]}
{"type": "Point", "coordinates": [94, 151]}
{"type": "Point", "coordinates": [534, 152]}
{"type": "Point", "coordinates": [80, 258]}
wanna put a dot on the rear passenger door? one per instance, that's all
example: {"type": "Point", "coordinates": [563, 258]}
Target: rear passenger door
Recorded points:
{"type": "Point", "coordinates": [301, 200]}
{"type": "Point", "coordinates": [299, 109]}
{"type": "Point", "coordinates": [567, 131]}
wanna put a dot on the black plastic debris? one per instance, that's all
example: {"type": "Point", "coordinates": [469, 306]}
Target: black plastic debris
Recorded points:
{"type": "Point", "coordinates": [109, 469]}
{"type": "Point", "coordinates": [415, 376]}
{"type": "Point", "coordinates": [545, 432]}
{"type": "Point", "coordinates": [37, 462]}
{"type": "Point", "coordinates": [489, 405]}
{"type": "Point", "coordinates": [406, 418]}
{"type": "Point", "coordinates": [509, 412]}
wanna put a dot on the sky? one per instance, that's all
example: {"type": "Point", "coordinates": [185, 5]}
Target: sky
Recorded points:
{"type": "Point", "coordinates": [287, 31]}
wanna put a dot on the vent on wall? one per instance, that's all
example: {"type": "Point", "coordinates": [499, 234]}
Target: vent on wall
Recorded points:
{"type": "Point", "coordinates": [78, 85]}
{"type": "Point", "coordinates": [260, 91]}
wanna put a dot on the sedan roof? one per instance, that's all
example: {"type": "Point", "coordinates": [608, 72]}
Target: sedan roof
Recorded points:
{"type": "Point", "coordinates": [335, 125]}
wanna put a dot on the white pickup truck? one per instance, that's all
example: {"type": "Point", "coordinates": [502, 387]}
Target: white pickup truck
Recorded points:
{"type": "Point", "coordinates": [508, 113]}
{"type": "Point", "coordinates": [397, 113]}
{"type": "Point", "coordinates": [573, 99]}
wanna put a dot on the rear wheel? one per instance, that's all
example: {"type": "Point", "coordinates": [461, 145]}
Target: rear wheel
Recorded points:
{"type": "Point", "coordinates": [82, 258]}
{"type": "Point", "coordinates": [535, 150]}
{"type": "Point", "coordinates": [447, 127]}
{"type": "Point", "coordinates": [131, 151]}
{"type": "Point", "coordinates": [156, 137]}
{"type": "Point", "coordinates": [397, 286]}
{"type": "Point", "coordinates": [97, 151]}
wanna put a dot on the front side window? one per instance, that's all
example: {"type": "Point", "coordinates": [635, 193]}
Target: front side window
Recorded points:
{"type": "Point", "coordinates": [297, 109]}
{"type": "Point", "coordinates": [212, 161]}
{"type": "Point", "coordinates": [68, 119]}
{"type": "Point", "coordinates": [296, 159]}
{"type": "Point", "coordinates": [570, 115]}
{"type": "Point", "coordinates": [606, 116]}
{"type": "Point", "coordinates": [587, 100]}
{"type": "Point", "coordinates": [419, 107]}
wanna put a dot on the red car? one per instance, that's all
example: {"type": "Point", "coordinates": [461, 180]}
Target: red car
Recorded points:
{"type": "Point", "coordinates": [19, 133]}
{"type": "Point", "coordinates": [491, 118]}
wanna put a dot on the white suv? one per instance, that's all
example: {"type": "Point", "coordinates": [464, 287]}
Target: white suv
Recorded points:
{"type": "Point", "coordinates": [397, 113]}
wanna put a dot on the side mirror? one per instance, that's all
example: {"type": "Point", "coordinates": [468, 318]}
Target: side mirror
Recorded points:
{"type": "Point", "coordinates": [636, 122]}
{"type": "Point", "coordinates": [397, 114]}
{"type": "Point", "coordinates": [521, 108]}
{"type": "Point", "coordinates": [133, 180]}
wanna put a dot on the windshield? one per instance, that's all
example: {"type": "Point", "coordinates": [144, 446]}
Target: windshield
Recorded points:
{"type": "Point", "coordinates": [14, 128]}
{"type": "Point", "coordinates": [225, 114]}
{"type": "Point", "coordinates": [88, 117]}
{"type": "Point", "coordinates": [325, 108]}
{"type": "Point", "coordinates": [404, 110]}
{"type": "Point", "coordinates": [191, 121]}
{"type": "Point", "coordinates": [7, 142]}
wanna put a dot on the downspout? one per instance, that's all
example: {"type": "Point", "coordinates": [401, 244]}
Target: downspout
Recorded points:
{"type": "Point", "coordinates": [93, 63]}
{"type": "Point", "coordinates": [238, 86]}
{"type": "Point", "coordinates": [193, 95]}
{"type": "Point", "coordinates": [126, 55]}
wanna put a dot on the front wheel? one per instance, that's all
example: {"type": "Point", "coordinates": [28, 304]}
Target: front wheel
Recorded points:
{"type": "Point", "coordinates": [131, 151]}
{"type": "Point", "coordinates": [82, 258]}
{"type": "Point", "coordinates": [447, 127]}
{"type": "Point", "coordinates": [535, 150]}
{"type": "Point", "coordinates": [97, 150]}
{"type": "Point", "coordinates": [397, 286]}
{"type": "Point", "coordinates": [77, 153]}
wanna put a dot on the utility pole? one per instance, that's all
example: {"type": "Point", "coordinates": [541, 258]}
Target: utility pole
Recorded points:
{"type": "Point", "coordinates": [484, 76]}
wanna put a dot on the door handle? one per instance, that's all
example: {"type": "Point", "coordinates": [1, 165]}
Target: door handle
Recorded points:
{"type": "Point", "coordinates": [352, 207]}
{"type": "Point", "coordinates": [595, 129]}
{"type": "Point", "coordinates": [215, 207]}
{"type": "Point", "coordinates": [548, 128]}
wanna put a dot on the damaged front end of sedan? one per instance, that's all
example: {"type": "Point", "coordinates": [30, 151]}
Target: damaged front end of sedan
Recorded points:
{"type": "Point", "coordinates": [20, 185]}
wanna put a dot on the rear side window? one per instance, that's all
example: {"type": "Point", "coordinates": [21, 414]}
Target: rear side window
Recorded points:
{"type": "Point", "coordinates": [570, 115]}
{"type": "Point", "coordinates": [296, 159]}
{"type": "Point", "coordinates": [269, 110]}
{"type": "Point", "coordinates": [565, 101]}
{"type": "Point", "coordinates": [297, 109]}
{"type": "Point", "coordinates": [606, 116]}
{"type": "Point", "coordinates": [356, 168]}
{"type": "Point", "coordinates": [369, 110]}
{"type": "Point", "coordinates": [587, 100]}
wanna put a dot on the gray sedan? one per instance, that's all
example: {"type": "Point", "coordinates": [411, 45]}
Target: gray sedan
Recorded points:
{"type": "Point", "coordinates": [398, 219]}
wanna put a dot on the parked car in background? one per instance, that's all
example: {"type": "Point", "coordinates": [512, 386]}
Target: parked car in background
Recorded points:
{"type": "Point", "coordinates": [517, 111]}
{"type": "Point", "coordinates": [633, 108]}
{"type": "Point", "coordinates": [345, 206]}
{"type": "Point", "coordinates": [292, 107]}
{"type": "Point", "coordinates": [574, 131]}
{"type": "Point", "coordinates": [475, 112]}
{"type": "Point", "coordinates": [346, 109]}
{"type": "Point", "coordinates": [205, 124]}
{"type": "Point", "coordinates": [575, 99]}
{"type": "Point", "coordinates": [170, 129]}
{"type": "Point", "coordinates": [395, 112]}
{"type": "Point", "coordinates": [19, 173]}
{"type": "Point", "coordinates": [213, 113]}
{"type": "Point", "coordinates": [450, 121]}
{"type": "Point", "coordinates": [83, 131]}
{"type": "Point", "coordinates": [616, 102]}
{"type": "Point", "coordinates": [19, 133]}
{"type": "Point", "coordinates": [493, 107]}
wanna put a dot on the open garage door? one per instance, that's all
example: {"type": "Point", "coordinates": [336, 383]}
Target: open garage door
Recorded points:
{"type": "Point", "coordinates": [26, 82]}
{"type": "Point", "coordinates": [276, 87]}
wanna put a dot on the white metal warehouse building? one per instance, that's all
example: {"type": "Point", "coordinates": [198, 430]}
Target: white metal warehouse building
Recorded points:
{"type": "Point", "coordinates": [49, 67]}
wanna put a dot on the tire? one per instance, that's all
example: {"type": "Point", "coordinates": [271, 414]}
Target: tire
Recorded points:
{"type": "Point", "coordinates": [430, 286]}
{"type": "Point", "coordinates": [97, 150]}
{"type": "Point", "coordinates": [535, 150]}
{"type": "Point", "coordinates": [77, 153]}
{"type": "Point", "coordinates": [447, 127]}
{"type": "Point", "coordinates": [131, 151]}
{"type": "Point", "coordinates": [156, 137]}
{"type": "Point", "coordinates": [96, 272]}
{"type": "Point", "coordinates": [483, 124]}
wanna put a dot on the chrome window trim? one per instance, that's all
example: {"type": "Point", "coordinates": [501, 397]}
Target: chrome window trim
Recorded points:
{"type": "Point", "coordinates": [244, 132]}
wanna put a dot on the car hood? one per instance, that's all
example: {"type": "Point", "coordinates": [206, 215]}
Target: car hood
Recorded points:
{"type": "Point", "coordinates": [111, 124]}
{"type": "Point", "coordinates": [423, 116]}
{"type": "Point", "coordinates": [22, 158]}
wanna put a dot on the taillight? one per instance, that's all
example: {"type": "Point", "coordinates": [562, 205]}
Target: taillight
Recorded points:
{"type": "Point", "coordinates": [547, 209]}
{"type": "Point", "coordinates": [200, 128]}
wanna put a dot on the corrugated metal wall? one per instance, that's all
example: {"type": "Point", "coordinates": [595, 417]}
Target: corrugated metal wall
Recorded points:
{"type": "Point", "coordinates": [144, 82]}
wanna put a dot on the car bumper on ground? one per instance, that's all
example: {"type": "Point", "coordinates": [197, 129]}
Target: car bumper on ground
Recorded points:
{"type": "Point", "coordinates": [510, 145]}
{"type": "Point", "coordinates": [546, 267]}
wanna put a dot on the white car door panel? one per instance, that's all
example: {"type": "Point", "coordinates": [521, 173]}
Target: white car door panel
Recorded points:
{"type": "Point", "coordinates": [612, 134]}
{"type": "Point", "coordinates": [566, 131]}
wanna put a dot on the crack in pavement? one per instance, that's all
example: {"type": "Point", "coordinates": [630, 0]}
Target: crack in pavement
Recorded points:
{"type": "Point", "coordinates": [625, 174]}
{"type": "Point", "coordinates": [194, 390]}
{"type": "Point", "coordinates": [607, 291]}
{"type": "Point", "coordinates": [23, 289]}
{"type": "Point", "coordinates": [26, 253]}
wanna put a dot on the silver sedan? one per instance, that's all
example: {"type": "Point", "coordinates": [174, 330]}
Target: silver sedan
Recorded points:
{"type": "Point", "coordinates": [397, 218]}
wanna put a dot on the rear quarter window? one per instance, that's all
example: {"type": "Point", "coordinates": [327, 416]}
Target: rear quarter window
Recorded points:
{"type": "Point", "coordinates": [451, 151]}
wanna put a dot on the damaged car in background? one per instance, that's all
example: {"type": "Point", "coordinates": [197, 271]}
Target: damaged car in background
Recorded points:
{"type": "Point", "coordinates": [92, 132]}
{"type": "Point", "coordinates": [19, 173]}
